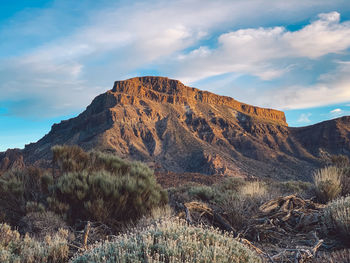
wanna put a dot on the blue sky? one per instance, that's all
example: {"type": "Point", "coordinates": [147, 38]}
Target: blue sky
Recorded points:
{"type": "Point", "coordinates": [56, 56]}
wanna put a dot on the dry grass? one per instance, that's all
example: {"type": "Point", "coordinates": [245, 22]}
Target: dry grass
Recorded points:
{"type": "Point", "coordinates": [15, 248]}
{"type": "Point", "coordinates": [327, 183]}
{"type": "Point", "coordinates": [253, 189]}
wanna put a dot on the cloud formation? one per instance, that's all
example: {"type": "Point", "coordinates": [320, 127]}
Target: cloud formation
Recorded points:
{"type": "Point", "coordinates": [304, 118]}
{"type": "Point", "coordinates": [331, 88]}
{"type": "Point", "coordinates": [259, 51]}
{"type": "Point", "coordinates": [189, 40]}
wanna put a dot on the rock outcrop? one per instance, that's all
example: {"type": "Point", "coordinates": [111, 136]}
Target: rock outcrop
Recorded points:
{"type": "Point", "coordinates": [11, 159]}
{"type": "Point", "coordinates": [182, 129]}
{"type": "Point", "coordinates": [164, 90]}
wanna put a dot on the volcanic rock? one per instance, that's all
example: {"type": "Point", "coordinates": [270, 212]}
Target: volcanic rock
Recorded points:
{"type": "Point", "coordinates": [180, 129]}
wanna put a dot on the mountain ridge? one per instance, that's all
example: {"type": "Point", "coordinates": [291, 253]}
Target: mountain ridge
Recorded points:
{"type": "Point", "coordinates": [184, 130]}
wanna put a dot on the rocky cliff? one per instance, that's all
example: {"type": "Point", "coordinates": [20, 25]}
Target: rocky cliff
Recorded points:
{"type": "Point", "coordinates": [182, 129]}
{"type": "Point", "coordinates": [164, 90]}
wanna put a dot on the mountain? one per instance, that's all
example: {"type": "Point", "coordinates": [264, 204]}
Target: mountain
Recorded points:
{"type": "Point", "coordinates": [181, 129]}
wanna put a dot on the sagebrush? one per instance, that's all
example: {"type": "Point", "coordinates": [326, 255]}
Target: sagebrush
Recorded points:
{"type": "Point", "coordinates": [15, 248]}
{"type": "Point", "coordinates": [171, 240]}
{"type": "Point", "coordinates": [337, 216]}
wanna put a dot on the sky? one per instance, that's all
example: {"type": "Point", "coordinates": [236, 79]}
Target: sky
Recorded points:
{"type": "Point", "coordinates": [57, 55]}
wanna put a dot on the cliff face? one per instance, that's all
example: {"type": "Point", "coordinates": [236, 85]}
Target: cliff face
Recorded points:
{"type": "Point", "coordinates": [164, 90]}
{"type": "Point", "coordinates": [181, 129]}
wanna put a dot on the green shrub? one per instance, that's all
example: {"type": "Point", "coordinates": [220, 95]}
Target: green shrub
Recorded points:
{"type": "Point", "coordinates": [20, 190]}
{"type": "Point", "coordinates": [17, 248]}
{"type": "Point", "coordinates": [105, 197]}
{"type": "Point", "coordinates": [102, 187]}
{"type": "Point", "coordinates": [84, 186]}
{"type": "Point", "coordinates": [69, 158]}
{"type": "Point", "coordinates": [327, 183]}
{"type": "Point", "coordinates": [337, 216]}
{"type": "Point", "coordinates": [230, 184]}
{"type": "Point", "coordinates": [294, 187]}
{"type": "Point", "coordinates": [74, 159]}
{"type": "Point", "coordinates": [202, 192]}
{"type": "Point", "coordinates": [171, 241]}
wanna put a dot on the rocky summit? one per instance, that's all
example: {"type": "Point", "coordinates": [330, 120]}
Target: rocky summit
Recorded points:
{"type": "Point", "coordinates": [181, 129]}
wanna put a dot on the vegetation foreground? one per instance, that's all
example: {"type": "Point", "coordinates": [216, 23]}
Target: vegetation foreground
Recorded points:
{"type": "Point", "coordinates": [96, 207]}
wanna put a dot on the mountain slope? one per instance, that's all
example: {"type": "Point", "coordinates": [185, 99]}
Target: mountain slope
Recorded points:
{"type": "Point", "coordinates": [181, 129]}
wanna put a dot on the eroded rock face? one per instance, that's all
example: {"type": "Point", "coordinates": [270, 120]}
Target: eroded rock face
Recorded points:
{"type": "Point", "coordinates": [164, 90]}
{"type": "Point", "coordinates": [181, 129]}
{"type": "Point", "coordinates": [11, 159]}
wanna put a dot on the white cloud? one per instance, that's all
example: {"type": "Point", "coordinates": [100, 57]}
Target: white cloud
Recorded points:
{"type": "Point", "coordinates": [259, 51]}
{"type": "Point", "coordinates": [332, 88]}
{"type": "Point", "coordinates": [337, 111]}
{"type": "Point", "coordinates": [114, 42]}
{"type": "Point", "coordinates": [304, 118]}
{"type": "Point", "coordinates": [323, 36]}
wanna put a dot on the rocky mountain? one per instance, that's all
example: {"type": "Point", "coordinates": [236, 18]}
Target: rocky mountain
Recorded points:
{"type": "Point", "coordinates": [181, 129]}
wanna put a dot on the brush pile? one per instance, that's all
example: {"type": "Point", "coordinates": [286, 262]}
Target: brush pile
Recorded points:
{"type": "Point", "coordinates": [288, 227]}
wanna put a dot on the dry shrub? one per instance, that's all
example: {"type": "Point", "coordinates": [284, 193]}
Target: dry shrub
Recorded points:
{"type": "Point", "coordinates": [338, 256]}
{"type": "Point", "coordinates": [171, 240]}
{"type": "Point", "coordinates": [343, 163]}
{"type": "Point", "coordinates": [40, 224]}
{"type": "Point", "coordinates": [340, 160]}
{"type": "Point", "coordinates": [235, 199]}
{"type": "Point", "coordinates": [253, 189]}
{"type": "Point", "coordinates": [337, 216]}
{"type": "Point", "coordinates": [327, 183]}
{"type": "Point", "coordinates": [17, 248]}
{"type": "Point", "coordinates": [345, 181]}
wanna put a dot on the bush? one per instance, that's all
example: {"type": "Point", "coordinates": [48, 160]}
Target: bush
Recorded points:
{"type": "Point", "coordinates": [103, 187]}
{"type": "Point", "coordinates": [40, 224]}
{"type": "Point", "coordinates": [327, 183]}
{"type": "Point", "coordinates": [345, 181]}
{"type": "Point", "coordinates": [84, 186]}
{"type": "Point", "coordinates": [235, 199]}
{"type": "Point", "coordinates": [202, 192]}
{"type": "Point", "coordinates": [69, 158]}
{"type": "Point", "coordinates": [340, 161]}
{"type": "Point", "coordinates": [20, 190]}
{"type": "Point", "coordinates": [104, 197]}
{"type": "Point", "coordinates": [295, 187]}
{"type": "Point", "coordinates": [17, 248]}
{"type": "Point", "coordinates": [171, 241]}
{"type": "Point", "coordinates": [337, 216]}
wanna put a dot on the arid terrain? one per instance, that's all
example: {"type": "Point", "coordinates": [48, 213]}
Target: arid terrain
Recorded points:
{"type": "Point", "coordinates": [174, 128]}
{"type": "Point", "coordinates": [155, 171]}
